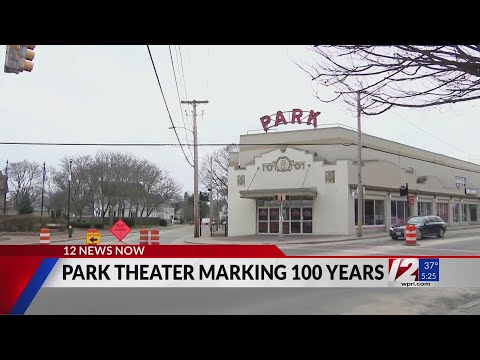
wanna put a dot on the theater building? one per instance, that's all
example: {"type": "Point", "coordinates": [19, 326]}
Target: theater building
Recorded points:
{"type": "Point", "coordinates": [315, 173]}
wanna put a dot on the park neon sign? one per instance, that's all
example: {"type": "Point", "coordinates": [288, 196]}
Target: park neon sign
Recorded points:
{"type": "Point", "coordinates": [295, 118]}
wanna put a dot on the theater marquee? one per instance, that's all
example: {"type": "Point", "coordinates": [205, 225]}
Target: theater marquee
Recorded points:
{"type": "Point", "coordinates": [295, 118]}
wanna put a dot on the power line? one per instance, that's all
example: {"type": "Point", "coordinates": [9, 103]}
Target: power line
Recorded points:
{"type": "Point", "coordinates": [183, 72]}
{"type": "Point", "coordinates": [233, 144]}
{"type": "Point", "coordinates": [433, 136]}
{"type": "Point", "coordinates": [165, 100]}
{"type": "Point", "coordinates": [178, 94]}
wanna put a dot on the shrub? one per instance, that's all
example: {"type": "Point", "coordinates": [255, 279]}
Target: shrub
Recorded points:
{"type": "Point", "coordinates": [22, 222]}
{"type": "Point", "coordinates": [130, 221]}
{"type": "Point", "coordinates": [163, 222]}
{"type": "Point", "coordinates": [88, 225]}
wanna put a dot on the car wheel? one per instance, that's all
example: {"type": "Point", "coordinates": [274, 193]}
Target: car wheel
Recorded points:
{"type": "Point", "coordinates": [441, 233]}
{"type": "Point", "coordinates": [394, 237]}
{"type": "Point", "coordinates": [419, 234]}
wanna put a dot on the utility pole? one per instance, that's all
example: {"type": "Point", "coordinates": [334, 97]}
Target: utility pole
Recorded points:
{"type": "Point", "coordinates": [69, 181]}
{"type": "Point", "coordinates": [211, 195]}
{"type": "Point", "coordinates": [43, 191]}
{"type": "Point", "coordinates": [360, 185]}
{"type": "Point", "coordinates": [6, 190]}
{"type": "Point", "coordinates": [196, 220]}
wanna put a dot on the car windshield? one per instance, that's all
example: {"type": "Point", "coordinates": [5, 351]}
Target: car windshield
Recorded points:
{"type": "Point", "coordinates": [416, 220]}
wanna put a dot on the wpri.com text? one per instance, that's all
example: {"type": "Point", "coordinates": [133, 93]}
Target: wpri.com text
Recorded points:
{"type": "Point", "coordinates": [413, 272]}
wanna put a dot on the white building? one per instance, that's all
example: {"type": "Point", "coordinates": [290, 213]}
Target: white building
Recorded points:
{"type": "Point", "coordinates": [164, 212]}
{"type": "Point", "coordinates": [317, 172]}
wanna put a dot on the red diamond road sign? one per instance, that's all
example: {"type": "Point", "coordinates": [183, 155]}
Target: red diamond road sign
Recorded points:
{"type": "Point", "coordinates": [120, 229]}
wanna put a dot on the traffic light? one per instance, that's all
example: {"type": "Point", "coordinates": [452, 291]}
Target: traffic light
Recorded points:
{"type": "Point", "coordinates": [19, 58]}
{"type": "Point", "coordinates": [404, 190]}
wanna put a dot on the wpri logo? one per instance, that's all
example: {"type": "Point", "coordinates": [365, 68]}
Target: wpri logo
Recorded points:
{"type": "Point", "coordinates": [403, 271]}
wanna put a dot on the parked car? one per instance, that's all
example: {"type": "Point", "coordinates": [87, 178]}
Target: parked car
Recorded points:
{"type": "Point", "coordinates": [426, 226]}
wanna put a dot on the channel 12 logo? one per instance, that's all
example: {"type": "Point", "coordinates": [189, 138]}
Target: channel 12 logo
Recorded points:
{"type": "Point", "coordinates": [413, 269]}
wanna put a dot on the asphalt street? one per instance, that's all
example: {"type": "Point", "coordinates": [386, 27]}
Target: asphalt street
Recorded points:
{"type": "Point", "coordinates": [281, 300]}
{"type": "Point", "coordinates": [170, 235]}
{"type": "Point", "coordinates": [455, 243]}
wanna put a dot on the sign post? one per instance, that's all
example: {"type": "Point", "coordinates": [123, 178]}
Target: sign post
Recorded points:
{"type": "Point", "coordinates": [281, 199]}
{"type": "Point", "coordinates": [92, 237]}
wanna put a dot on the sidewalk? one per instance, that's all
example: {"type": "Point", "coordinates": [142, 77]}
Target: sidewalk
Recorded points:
{"type": "Point", "coordinates": [219, 239]}
{"type": "Point", "coordinates": [78, 234]}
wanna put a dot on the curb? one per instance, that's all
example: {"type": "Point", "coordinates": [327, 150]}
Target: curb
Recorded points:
{"type": "Point", "coordinates": [280, 242]}
{"type": "Point", "coordinates": [301, 242]}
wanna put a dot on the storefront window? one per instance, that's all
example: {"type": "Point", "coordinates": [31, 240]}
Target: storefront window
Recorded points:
{"type": "Point", "coordinates": [295, 201]}
{"type": "Point", "coordinates": [263, 227]}
{"type": "Point", "coordinates": [464, 212]}
{"type": "Point", "coordinates": [307, 214]}
{"type": "Point", "coordinates": [297, 219]}
{"type": "Point", "coordinates": [307, 202]}
{"type": "Point", "coordinates": [263, 202]}
{"type": "Point", "coordinates": [456, 212]}
{"type": "Point", "coordinates": [263, 220]}
{"type": "Point", "coordinates": [262, 214]}
{"type": "Point", "coordinates": [295, 214]}
{"type": "Point", "coordinates": [307, 227]}
{"type": "Point", "coordinates": [442, 211]}
{"type": "Point", "coordinates": [274, 227]}
{"type": "Point", "coordinates": [473, 212]}
{"type": "Point", "coordinates": [400, 211]}
{"type": "Point", "coordinates": [295, 226]}
{"type": "Point", "coordinates": [274, 202]}
{"type": "Point", "coordinates": [274, 214]}
{"type": "Point", "coordinates": [424, 208]}
{"type": "Point", "coordinates": [373, 212]}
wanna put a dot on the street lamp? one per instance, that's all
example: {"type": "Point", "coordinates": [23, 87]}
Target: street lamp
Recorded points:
{"type": "Point", "coordinates": [6, 190]}
{"type": "Point", "coordinates": [69, 181]}
{"type": "Point", "coordinates": [181, 127]}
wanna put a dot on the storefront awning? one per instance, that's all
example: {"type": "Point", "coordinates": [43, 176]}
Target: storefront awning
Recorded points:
{"type": "Point", "coordinates": [253, 194]}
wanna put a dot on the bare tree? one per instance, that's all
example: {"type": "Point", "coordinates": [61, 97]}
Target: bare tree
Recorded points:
{"type": "Point", "coordinates": [397, 76]}
{"type": "Point", "coordinates": [220, 163]}
{"type": "Point", "coordinates": [49, 188]}
{"type": "Point", "coordinates": [128, 182]}
{"type": "Point", "coordinates": [25, 177]}
{"type": "Point", "coordinates": [81, 186]}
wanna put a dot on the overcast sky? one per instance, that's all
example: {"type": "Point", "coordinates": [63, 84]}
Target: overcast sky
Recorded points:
{"type": "Point", "coordinates": [105, 94]}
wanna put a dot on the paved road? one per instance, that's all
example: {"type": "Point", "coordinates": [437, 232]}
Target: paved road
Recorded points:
{"type": "Point", "coordinates": [282, 300]}
{"type": "Point", "coordinates": [455, 243]}
{"type": "Point", "coordinates": [170, 235]}
{"type": "Point", "coordinates": [246, 301]}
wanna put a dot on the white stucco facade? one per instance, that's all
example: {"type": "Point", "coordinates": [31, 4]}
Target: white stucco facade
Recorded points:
{"type": "Point", "coordinates": [317, 171]}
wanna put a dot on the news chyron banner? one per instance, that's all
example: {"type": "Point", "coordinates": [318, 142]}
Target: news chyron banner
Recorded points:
{"type": "Point", "coordinates": [33, 276]}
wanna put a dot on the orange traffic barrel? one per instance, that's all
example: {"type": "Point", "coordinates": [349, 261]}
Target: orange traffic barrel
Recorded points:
{"type": "Point", "coordinates": [410, 235]}
{"type": "Point", "coordinates": [45, 236]}
{"type": "Point", "coordinates": [154, 237]}
{"type": "Point", "coordinates": [143, 237]}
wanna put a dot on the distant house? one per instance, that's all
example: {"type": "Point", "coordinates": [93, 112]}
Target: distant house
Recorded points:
{"type": "Point", "coordinates": [223, 213]}
{"type": "Point", "coordinates": [164, 212]}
